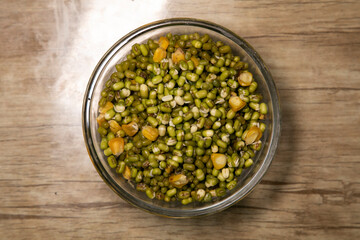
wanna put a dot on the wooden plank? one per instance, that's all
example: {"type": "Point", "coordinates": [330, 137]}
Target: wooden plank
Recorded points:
{"type": "Point", "coordinates": [50, 190]}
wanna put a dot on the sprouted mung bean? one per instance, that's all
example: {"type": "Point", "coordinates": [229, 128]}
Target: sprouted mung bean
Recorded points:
{"type": "Point", "coordinates": [181, 118]}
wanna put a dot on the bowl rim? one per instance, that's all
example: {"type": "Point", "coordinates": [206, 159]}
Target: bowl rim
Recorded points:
{"type": "Point", "coordinates": [273, 141]}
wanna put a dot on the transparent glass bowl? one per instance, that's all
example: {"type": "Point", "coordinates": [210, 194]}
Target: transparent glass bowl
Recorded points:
{"type": "Point", "coordinates": [248, 179]}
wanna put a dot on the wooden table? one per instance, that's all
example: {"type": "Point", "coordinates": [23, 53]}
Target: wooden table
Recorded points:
{"type": "Point", "coordinates": [49, 188]}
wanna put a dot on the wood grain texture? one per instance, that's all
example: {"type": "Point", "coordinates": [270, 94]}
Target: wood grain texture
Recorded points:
{"type": "Point", "coordinates": [48, 186]}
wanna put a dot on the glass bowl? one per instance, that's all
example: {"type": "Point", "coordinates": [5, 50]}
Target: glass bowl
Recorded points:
{"type": "Point", "coordinates": [247, 180]}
